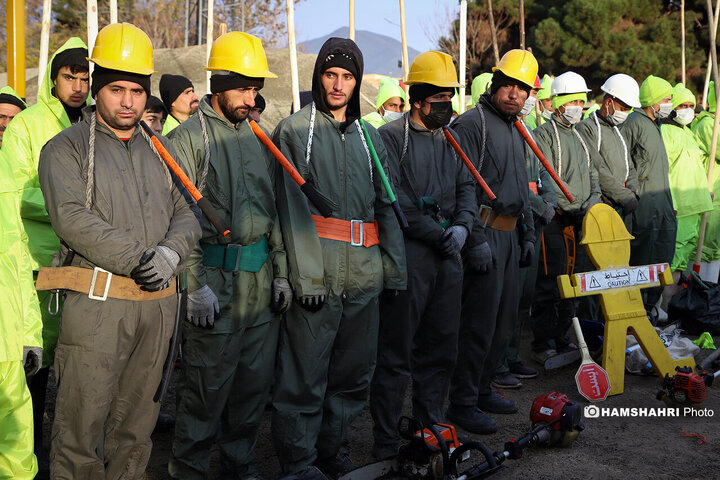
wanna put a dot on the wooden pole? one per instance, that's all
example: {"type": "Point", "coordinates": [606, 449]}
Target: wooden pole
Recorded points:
{"type": "Point", "coordinates": [405, 61]}
{"type": "Point", "coordinates": [491, 19]}
{"type": "Point", "coordinates": [716, 124]}
{"type": "Point", "coordinates": [113, 11]}
{"type": "Point", "coordinates": [522, 24]}
{"type": "Point", "coordinates": [682, 40]}
{"type": "Point", "coordinates": [463, 52]}
{"type": "Point", "coordinates": [44, 42]}
{"type": "Point", "coordinates": [293, 55]}
{"type": "Point", "coordinates": [352, 20]}
{"type": "Point", "coordinates": [210, 33]}
{"type": "Point", "coordinates": [187, 22]}
{"type": "Point", "coordinates": [199, 21]}
{"type": "Point", "coordinates": [709, 60]}
{"type": "Point", "coordinates": [92, 28]}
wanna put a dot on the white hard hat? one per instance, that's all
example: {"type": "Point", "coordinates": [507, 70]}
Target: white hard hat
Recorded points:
{"type": "Point", "coordinates": [567, 83]}
{"type": "Point", "coordinates": [624, 88]}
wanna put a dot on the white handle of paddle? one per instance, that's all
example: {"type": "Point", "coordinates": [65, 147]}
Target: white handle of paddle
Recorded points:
{"type": "Point", "coordinates": [581, 340]}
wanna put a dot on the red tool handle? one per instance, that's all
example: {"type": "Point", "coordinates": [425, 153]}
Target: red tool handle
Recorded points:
{"type": "Point", "coordinates": [543, 160]}
{"type": "Point", "coordinates": [310, 192]}
{"type": "Point", "coordinates": [201, 201]}
{"type": "Point", "coordinates": [469, 164]}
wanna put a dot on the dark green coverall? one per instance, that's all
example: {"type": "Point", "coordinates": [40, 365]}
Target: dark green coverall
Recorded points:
{"type": "Point", "coordinates": [228, 369]}
{"type": "Point", "coordinates": [654, 224]}
{"type": "Point", "coordinates": [326, 358]}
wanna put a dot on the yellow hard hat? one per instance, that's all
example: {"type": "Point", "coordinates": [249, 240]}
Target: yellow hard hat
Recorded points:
{"type": "Point", "coordinates": [603, 224]}
{"type": "Point", "coordinates": [241, 53]}
{"type": "Point", "coordinates": [434, 68]}
{"type": "Point", "coordinates": [124, 47]}
{"type": "Point", "coordinates": [520, 65]}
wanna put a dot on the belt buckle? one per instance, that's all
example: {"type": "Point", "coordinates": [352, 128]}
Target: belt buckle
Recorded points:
{"type": "Point", "coordinates": [91, 294]}
{"type": "Point", "coordinates": [352, 233]}
{"type": "Point", "coordinates": [237, 247]}
{"type": "Point", "coordinates": [485, 207]}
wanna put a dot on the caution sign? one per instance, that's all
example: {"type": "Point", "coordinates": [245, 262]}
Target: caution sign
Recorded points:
{"type": "Point", "coordinates": [620, 278]}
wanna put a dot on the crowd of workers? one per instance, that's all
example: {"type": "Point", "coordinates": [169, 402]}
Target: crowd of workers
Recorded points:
{"type": "Point", "coordinates": [315, 312]}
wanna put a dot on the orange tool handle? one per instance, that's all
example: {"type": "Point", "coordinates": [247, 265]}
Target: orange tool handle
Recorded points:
{"type": "Point", "coordinates": [310, 192]}
{"type": "Point", "coordinates": [201, 201]}
{"type": "Point", "coordinates": [478, 178]}
{"type": "Point", "coordinates": [521, 128]}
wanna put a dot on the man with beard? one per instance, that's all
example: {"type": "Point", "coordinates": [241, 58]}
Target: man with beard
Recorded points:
{"type": "Point", "coordinates": [125, 231]}
{"type": "Point", "coordinates": [10, 105]}
{"type": "Point", "coordinates": [419, 327]}
{"type": "Point", "coordinates": [338, 267]}
{"type": "Point", "coordinates": [236, 285]}
{"type": "Point", "coordinates": [178, 95]}
{"type": "Point", "coordinates": [63, 93]}
{"type": "Point", "coordinates": [502, 239]}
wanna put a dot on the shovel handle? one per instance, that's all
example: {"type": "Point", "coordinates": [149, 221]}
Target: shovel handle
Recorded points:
{"type": "Point", "coordinates": [201, 201]}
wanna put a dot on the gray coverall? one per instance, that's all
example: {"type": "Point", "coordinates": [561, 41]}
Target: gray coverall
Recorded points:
{"type": "Point", "coordinates": [488, 319]}
{"type": "Point", "coordinates": [419, 326]}
{"type": "Point", "coordinates": [110, 354]}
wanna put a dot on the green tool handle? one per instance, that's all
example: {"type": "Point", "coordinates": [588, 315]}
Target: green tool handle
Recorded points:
{"type": "Point", "coordinates": [402, 220]}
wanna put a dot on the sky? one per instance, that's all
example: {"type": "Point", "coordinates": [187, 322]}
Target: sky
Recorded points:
{"type": "Point", "coordinates": [423, 18]}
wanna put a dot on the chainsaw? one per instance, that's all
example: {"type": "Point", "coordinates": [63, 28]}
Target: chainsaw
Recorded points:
{"type": "Point", "coordinates": [686, 387]}
{"type": "Point", "coordinates": [434, 452]}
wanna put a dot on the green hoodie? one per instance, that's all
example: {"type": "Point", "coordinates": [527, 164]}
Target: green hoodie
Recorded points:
{"type": "Point", "coordinates": [25, 136]}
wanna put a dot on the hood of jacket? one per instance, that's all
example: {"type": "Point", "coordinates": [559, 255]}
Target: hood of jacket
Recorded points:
{"type": "Point", "coordinates": [337, 45]}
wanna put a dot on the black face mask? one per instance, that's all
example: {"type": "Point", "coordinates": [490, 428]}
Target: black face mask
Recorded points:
{"type": "Point", "coordinates": [439, 116]}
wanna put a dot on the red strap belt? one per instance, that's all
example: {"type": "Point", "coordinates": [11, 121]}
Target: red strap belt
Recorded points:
{"type": "Point", "coordinates": [354, 232]}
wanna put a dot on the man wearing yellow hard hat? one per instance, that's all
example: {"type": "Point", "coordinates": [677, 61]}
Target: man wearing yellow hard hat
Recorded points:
{"type": "Point", "coordinates": [390, 103]}
{"type": "Point", "coordinates": [419, 326]}
{"type": "Point", "coordinates": [338, 267]}
{"type": "Point", "coordinates": [237, 286]}
{"type": "Point", "coordinates": [125, 231]}
{"type": "Point", "coordinates": [501, 240]}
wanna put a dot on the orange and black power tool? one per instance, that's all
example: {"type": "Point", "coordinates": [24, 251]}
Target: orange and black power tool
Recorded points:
{"type": "Point", "coordinates": [686, 387]}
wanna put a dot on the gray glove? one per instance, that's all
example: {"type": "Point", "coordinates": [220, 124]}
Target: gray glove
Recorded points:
{"type": "Point", "coordinates": [156, 268]}
{"type": "Point", "coordinates": [453, 240]}
{"type": "Point", "coordinates": [480, 257]}
{"type": "Point", "coordinates": [281, 295]}
{"type": "Point", "coordinates": [587, 204]}
{"type": "Point", "coordinates": [312, 303]}
{"type": "Point", "coordinates": [548, 214]}
{"type": "Point", "coordinates": [32, 360]}
{"type": "Point", "coordinates": [202, 306]}
{"type": "Point", "coordinates": [527, 250]}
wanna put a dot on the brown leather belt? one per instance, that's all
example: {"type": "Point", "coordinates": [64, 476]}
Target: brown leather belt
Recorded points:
{"type": "Point", "coordinates": [497, 221]}
{"type": "Point", "coordinates": [97, 284]}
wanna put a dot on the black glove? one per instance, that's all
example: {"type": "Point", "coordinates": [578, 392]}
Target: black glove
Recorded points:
{"type": "Point", "coordinates": [312, 303]}
{"type": "Point", "coordinates": [548, 214]}
{"type": "Point", "coordinates": [156, 268]}
{"type": "Point", "coordinates": [453, 240]}
{"type": "Point", "coordinates": [527, 250]}
{"type": "Point", "coordinates": [32, 360]}
{"type": "Point", "coordinates": [480, 257]}
{"type": "Point", "coordinates": [389, 294]}
{"type": "Point", "coordinates": [630, 206]}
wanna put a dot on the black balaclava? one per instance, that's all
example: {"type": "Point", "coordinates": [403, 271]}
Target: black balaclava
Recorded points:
{"type": "Point", "coordinates": [343, 53]}
{"type": "Point", "coordinates": [260, 103]}
{"type": "Point", "coordinates": [499, 79]}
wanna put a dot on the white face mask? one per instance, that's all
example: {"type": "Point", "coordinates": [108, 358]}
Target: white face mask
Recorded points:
{"type": "Point", "coordinates": [572, 115]}
{"type": "Point", "coordinates": [547, 114]}
{"type": "Point", "coordinates": [618, 117]}
{"type": "Point", "coordinates": [529, 106]}
{"type": "Point", "coordinates": [664, 110]}
{"type": "Point", "coordinates": [685, 116]}
{"type": "Point", "coordinates": [391, 116]}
